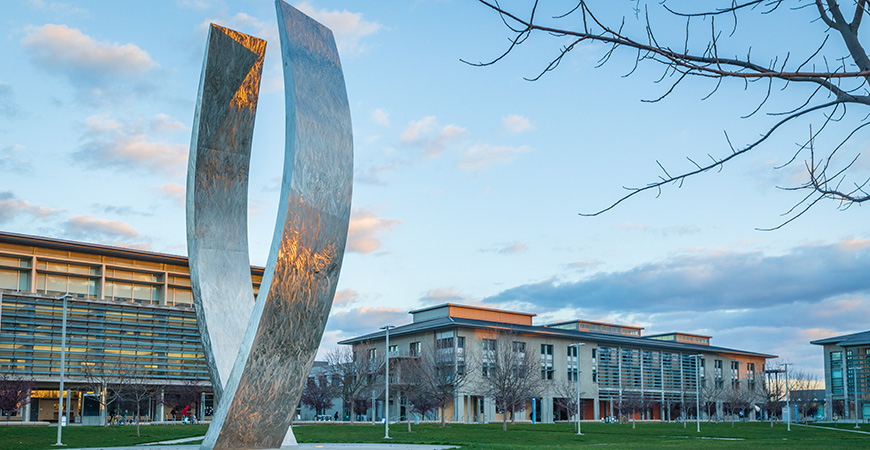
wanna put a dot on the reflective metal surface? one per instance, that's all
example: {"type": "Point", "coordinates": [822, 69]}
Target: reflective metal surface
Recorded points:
{"type": "Point", "coordinates": [288, 317]}
{"type": "Point", "coordinates": [217, 195]}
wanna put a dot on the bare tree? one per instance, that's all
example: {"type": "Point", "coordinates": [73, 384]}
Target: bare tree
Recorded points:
{"type": "Point", "coordinates": [440, 372]}
{"type": "Point", "coordinates": [103, 377]}
{"type": "Point", "coordinates": [179, 396]}
{"type": "Point", "coordinates": [711, 393]}
{"type": "Point", "coordinates": [512, 376]}
{"type": "Point", "coordinates": [318, 394]}
{"type": "Point", "coordinates": [134, 388]}
{"type": "Point", "coordinates": [565, 400]}
{"type": "Point", "coordinates": [14, 393]}
{"type": "Point", "coordinates": [804, 86]}
{"type": "Point", "coordinates": [737, 398]}
{"type": "Point", "coordinates": [633, 403]}
{"type": "Point", "coordinates": [802, 385]}
{"type": "Point", "coordinates": [349, 372]}
{"type": "Point", "coordinates": [772, 393]}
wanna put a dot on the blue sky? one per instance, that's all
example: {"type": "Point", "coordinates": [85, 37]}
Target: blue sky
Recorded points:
{"type": "Point", "coordinates": [468, 181]}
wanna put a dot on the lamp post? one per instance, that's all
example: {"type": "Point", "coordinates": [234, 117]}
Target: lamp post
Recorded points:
{"type": "Point", "coordinates": [698, 389]}
{"type": "Point", "coordinates": [577, 349]}
{"type": "Point", "coordinates": [787, 397]}
{"type": "Point", "coordinates": [62, 369]}
{"type": "Point", "coordinates": [855, 385]}
{"type": "Point", "coordinates": [386, 329]}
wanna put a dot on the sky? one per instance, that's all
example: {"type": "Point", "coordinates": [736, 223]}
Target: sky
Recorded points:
{"type": "Point", "coordinates": [468, 181]}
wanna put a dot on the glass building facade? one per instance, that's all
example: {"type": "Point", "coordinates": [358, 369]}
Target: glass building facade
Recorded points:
{"type": "Point", "coordinates": [129, 310]}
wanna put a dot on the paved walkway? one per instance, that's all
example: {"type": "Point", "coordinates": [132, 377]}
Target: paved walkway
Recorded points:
{"type": "Point", "coordinates": [165, 446]}
{"type": "Point", "coordinates": [850, 430]}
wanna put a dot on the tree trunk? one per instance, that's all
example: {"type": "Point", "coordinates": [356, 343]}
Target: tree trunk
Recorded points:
{"type": "Point", "coordinates": [632, 423]}
{"type": "Point", "coordinates": [408, 419]}
{"type": "Point", "coordinates": [504, 421]}
{"type": "Point", "coordinates": [351, 411]}
{"type": "Point", "coordinates": [443, 423]}
{"type": "Point", "coordinates": [137, 419]}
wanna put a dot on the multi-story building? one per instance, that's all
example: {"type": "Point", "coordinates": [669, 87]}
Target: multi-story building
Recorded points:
{"type": "Point", "coordinates": [129, 310]}
{"type": "Point", "coordinates": [614, 362]}
{"type": "Point", "coordinates": [847, 375]}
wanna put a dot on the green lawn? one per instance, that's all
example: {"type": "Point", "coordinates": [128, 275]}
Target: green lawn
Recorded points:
{"type": "Point", "coordinates": [481, 437]}
{"type": "Point", "coordinates": [610, 436]}
{"type": "Point", "coordinates": [27, 438]}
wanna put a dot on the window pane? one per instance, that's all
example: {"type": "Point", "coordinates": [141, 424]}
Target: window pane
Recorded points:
{"type": "Point", "coordinates": [54, 283]}
{"type": "Point", "coordinates": [9, 279]}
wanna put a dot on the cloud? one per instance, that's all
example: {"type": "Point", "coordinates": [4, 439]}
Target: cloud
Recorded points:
{"type": "Point", "coordinates": [174, 191]}
{"type": "Point", "coordinates": [429, 135]}
{"type": "Point", "coordinates": [9, 160]}
{"type": "Point", "coordinates": [380, 117]}
{"type": "Point", "coordinates": [365, 319]}
{"type": "Point", "coordinates": [507, 248]}
{"type": "Point", "coordinates": [89, 227]}
{"type": "Point", "coordinates": [345, 297]}
{"type": "Point", "coordinates": [248, 24]}
{"type": "Point", "coordinates": [119, 210]}
{"type": "Point", "coordinates": [62, 9]}
{"type": "Point", "coordinates": [516, 123]}
{"type": "Point", "coordinates": [709, 281]}
{"type": "Point", "coordinates": [679, 230]}
{"type": "Point", "coordinates": [481, 156]}
{"type": "Point", "coordinates": [95, 68]}
{"type": "Point", "coordinates": [163, 123]}
{"type": "Point", "coordinates": [582, 265]}
{"type": "Point", "coordinates": [109, 143]}
{"type": "Point", "coordinates": [8, 107]}
{"type": "Point", "coordinates": [372, 174]}
{"type": "Point", "coordinates": [443, 295]}
{"type": "Point", "coordinates": [348, 28]}
{"type": "Point", "coordinates": [365, 230]}
{"type": "Point", "coordinates": [11, 207]}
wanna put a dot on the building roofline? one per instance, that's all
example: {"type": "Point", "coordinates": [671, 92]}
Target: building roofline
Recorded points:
{"type": "Point", "coordinates": [481, 308]}
{"type": "Point", "coordinates": [595, 322]}
{"type": "Point", "coordinates": [679, 332]}
{"type": "Point", "coordinates": [100, 249]}
{"type": "Point", "coordinates": [622, 340]}
{"type": "Point", "coordinates": [860, 338]}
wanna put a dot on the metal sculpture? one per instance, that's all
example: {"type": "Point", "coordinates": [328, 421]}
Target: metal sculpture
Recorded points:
{"type": "Point", "coordinates": [275, 347]}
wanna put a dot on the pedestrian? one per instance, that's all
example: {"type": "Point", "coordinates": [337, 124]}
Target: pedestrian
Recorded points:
{"type": "Point", "coordinates": [336, 416]}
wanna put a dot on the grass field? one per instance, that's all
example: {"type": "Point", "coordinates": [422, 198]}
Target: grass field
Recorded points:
{"type": "Point", "coordinates": [483, 437]}
{"type": "Point", "coordinates": [27, 438]}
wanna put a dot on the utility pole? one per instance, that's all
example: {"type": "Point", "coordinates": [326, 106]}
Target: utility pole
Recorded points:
{"type": "Point", "coordinates": [787, 396]}
{"type": "Point", "coordinates": [62, 370]}
{"type": "Point", "coordinates": [386, 329]}
{"type": "Point", "coordinates": [577, 349]}
{"type": "Point", "coordinates": [698, 390]}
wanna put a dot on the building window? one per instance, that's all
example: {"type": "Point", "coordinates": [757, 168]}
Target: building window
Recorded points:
{"type": "Point", "coordinates": [717, 372]}
{"type": "Point", "coordinates": [573, 364]}
{"type": "Point", "coordinates": [393, 351]}
{"type": "Point", "coordinates": [444, 343]}
{"type": "Point", "coordinates": [414, 349]}
{"type": "Point", "coordinates": [488, 359]}
{"type": "Point", "coordinates": [14, 273]}
{"type": "Point", "coordinates": [836, 373]}
{"type": "Point", "coordinates": [547, 367]}
{"type": "Point", "coordinates": [373, 353]}
{"type": "Point", "coordinates": [735, 373]}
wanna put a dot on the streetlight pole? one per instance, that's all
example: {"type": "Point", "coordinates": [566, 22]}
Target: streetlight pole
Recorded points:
{"type": "Point", "coordinates": [855, 385]}
{"type": "Point", "coordinates": [62, 369]}
{"type": "Point", "coordinates": [386, 329]}
{"type": "Point", "coordinates": [698, 390]}
{"type": "Point", "coordinates": [577, 349]}
{"type": "Point", "coordinates": [787, 397]}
